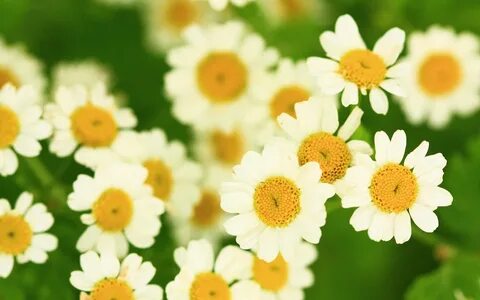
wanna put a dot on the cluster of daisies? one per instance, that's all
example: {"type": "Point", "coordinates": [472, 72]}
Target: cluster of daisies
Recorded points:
{"type": "Point", "coordinates": [271, 120]}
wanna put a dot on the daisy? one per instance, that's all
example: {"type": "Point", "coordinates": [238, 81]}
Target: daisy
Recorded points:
{"type": "Point", "coordinates": [216, 75]}
{"type": "Point", "coordinates": [222, 4]}
{"type": "Point", "coordinates": [315, 136]}
{"type": "Point", "coordinates": [388, 192]}
{"type": "Point", "coordinates": [118, 208]}
{"type": "Point", "coordinates": [353, 67]}
{"type": "Point", "coordinates": [276, 201]}
{"type": "Point", "coordinates": [87, 122]}
{"type": "Point", "coordinates": [442, 78]}
{"type": "Point", "coordinates": [22, 233]}
{"type": "Point", "coordinates": [104, 277]}
{"type": "Point", "coordinates": [201, 276]}
{"type": "Point", "coordinates": [21, 126]}
{"type": "Point", "coordinates": [87, 73]}
{"type": "Point", "coordinates": [288, 10]}
{"type": "Point", "coordinates": [19, 68]}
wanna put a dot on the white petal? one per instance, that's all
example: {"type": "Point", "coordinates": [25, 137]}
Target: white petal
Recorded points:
{"type": "Point", "coordinates": [397, 146]}
{"type": "Point", "coordinates": [317, 65]}
{"type": "Point", "coordinates": [379, 101]}
{"type": "Point", "coordinates": [382, 143]}
{"type": "Point", "coordinates": [417, 155]}
{"type": "Point", "coordinates": [23, 203]}
{"type": "Point", "coordinates": [403, 227]}
{"type": "Point", "coordinates": [393, 86]}
{"type": "Point", "coordinates": [233, 263]}
{"type": "Point", "coordinates": [390, 45]}
{"type": "Point", "coordinates": [350, 94]}
{"type": "Point", "coordinates": [8, 162]}
{"type": "Point", "coordinates": [88, 239]}
{"type": "Point", "coordinates": [424, 217]}
{"type": "Point", "coordinates": [351, 124]}
{"type": "Point", "coordinates": [6, 265]}
{"type": "Point", "coordinates": [27, 146]}
{"type": "Point", "coordinates": [362, 217]}
{"type": "Point", "coordinates": [268, 245]}
{"type": "Point", "coordinates": [109, 264]}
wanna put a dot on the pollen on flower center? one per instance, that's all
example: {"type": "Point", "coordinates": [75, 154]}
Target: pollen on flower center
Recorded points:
{"type": "Point", "coordinates": [228, 147]}
{"type": "Point", "coordinates": [207, 211]}
{"type": "Point", "coordinates": [393, 188]}
{"type": "Point", "coordinates": [330, 151]}
{"type": "Point", "coordinates": [113, 210]}
{"type": "Point", "coordinates": [9, 126]}
{"type": "Point", "coordinates": [222, 77]}
{"type": "Point", "coordinates": [160, 178]}
{"type": "Point", "coordinates": [6, 76]}
{"type": "Point", "coordinates": [439, 74]}
{"type": "Point", "coordinates": [112, 289]}
{"type": "Point", "coordinates": [363, 67]}
{"type": "Point", "coordinates": [285, 98]}
{"type": "Point", "coordinates": [93, 126]}
{"type": "Point", "coordinates": [180, 13]}
{"type": "Point", "coordinates": [277, 201]}
{"type": "Point", "coordinates": [209, 286]}
{"type": "Point", "coordinates": [271, 276]}
{"type": "Point", "coordinates": [15, 234]}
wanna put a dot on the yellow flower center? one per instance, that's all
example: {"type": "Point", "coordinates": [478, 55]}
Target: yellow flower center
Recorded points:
{"type": "Point", "coordinates": [113, 210]}
{"type": "Point", "coordinates": [277, 201]}
{"type": "Point", "coordinates": [222, 77]}
{"type": "Point", "coordinates": [9, 126]}
{"type": "Point", "coordinates": [160, 178]}
{"type": "Point", "coordinates": [93, 126]}
{"type": "Point", "coordinates": [209, 286]}
{"type": "Point", "coordinates": [112, 289]}
{"type": "Point", "coordinates": [285, 98]}
{"type": "Point", "coordinates": [271, 276]}
{"type": "Point", "coordinates": [207, 211]}
{"type": "Point", "coordinates": [6, 76]}
{"type": "Point", "coordinates": [440, 74]}
{"type": "Point", "coordinates": [393, 188]}
{"type": "Point", "coordinates": [228, 147]}
{"type": "Point", "coordinates": [15, 234]}
{"type": "Point", "coordinates": [330, 151]}
{"type": "Point", "coordinates": [179, 14]}
{"type": "Point", "coordinates": [363, 67]}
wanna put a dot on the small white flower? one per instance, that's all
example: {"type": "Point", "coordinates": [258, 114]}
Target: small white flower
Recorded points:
{"type": "Point", "coordinates": [201, 275]}
{"type": "Point", "coordinates": [21, 126]}
{"type": "Point", "coordinates": [222, 4]}
{"type": "Point", "coordinates": [104, 277]}
{"type": "Point", "coordinates": [277, 202]}
{"type": "Point", "coordinates": [87, 73]}
{"type": "Point", "coordinates": [118, 207]}
{"type": "Point", "coordinates": [443, 76]}
{"type": "Point", "coordinates": [388, 192]}
{"type": "Point", "coordinates": [353, 67]}
{"type": "Point", "coordinates": [87, 122]}
{"type": "Point", "coordinates": [22, 233]}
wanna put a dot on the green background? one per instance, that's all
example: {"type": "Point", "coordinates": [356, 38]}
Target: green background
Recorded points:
{"type": "Point", "coordinates": [350, 265]}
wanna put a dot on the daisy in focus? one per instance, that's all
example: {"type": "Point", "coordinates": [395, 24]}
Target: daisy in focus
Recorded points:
{"type": "Point", "coordinates": [87, 73]}
{"type": "Point", "coordinates": [21, 126]}
{"type": "Point", "coordinates": [276, 202]}
{"type": "Point", "coordinates": [443, 76]}
{"type": "Point", "coordinates": [202, 277]}
{"type": "Point", "coordinates": [315, 136]}
{"type": "Point", "coordinates": [23, 233]}
{"type": "Point", "coordinates": [87, 122]}
{"type": "Point", "coordinates": [290, 10]}
{"type": "Point", "coordinates": [118, 208]}
{"type": "Point", "coordinates": [105, 277]}
{"type": "Point", "coordinates": [388, 192]}
{"type": "Point", "coordinates": [353, 67]}
{"type": "Point", "coordinates": [222, 4]}
{"type": "Point", "coordinates": [215, 77]}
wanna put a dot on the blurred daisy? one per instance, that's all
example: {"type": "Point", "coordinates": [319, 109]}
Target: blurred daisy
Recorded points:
{"type": "Point", "coordinates": [21, 126]}
{"type": "Point", "coordinates": [388, 192]}
{"type": "Point", "coordinates": [87, 119]}
{"type": "Point", "coordinates": [19, 68]}
{"type": "Point", "coordinates": [104, 277]}
{"type": "Point", "coordinates": [22, 233]}
{"type": "Point", "coordinates": [443, 78]}
{"type": "Point", "coordinates": [315, 136]}
{"type": "Point", "coordinates": [353, 67]}
{"type": "Point", "coordinates": [201, 276]}
{"type": "Point", "coordinates": [277, 202]}
{"type": "Point", "coordinates": [87, 73]}
{"type": "Point", "coordinates": [222, 4]}
{"type": "Point", "coordinates": [288, 10]}
{"type": "Point", "coordinates": [216, 76]}
{"type": "Point", "coordinates": [118, 207]}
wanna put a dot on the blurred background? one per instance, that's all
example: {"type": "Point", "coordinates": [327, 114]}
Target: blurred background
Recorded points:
{"type": "Point", "coordinates": [349, 266]}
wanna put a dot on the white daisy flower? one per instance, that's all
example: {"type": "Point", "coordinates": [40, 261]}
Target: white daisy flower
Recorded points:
{"type": "Point", "coordinates": [87, 73]}
{"type": "Point", "coordinates": [289, 10]}
{"type": "Point", "coordinates": [443, 76]}
{"type": "Point", "coordinates": [315, 136]}
{"type": "Point", "coordinates": [22, 233]}
{"type": "Point", "coordinates": [216, 77]}
{"type": "Point", "coordinates": [19, 68]}
{"type": "Point", "coordinates": [21, 126]}
{"type": "Point", "coordinates": [284, 279]}
{"type": "Point", "coordinates": [276, 200]}
{"type": "Point", "coordinates": [87, 122]}
{"type": "Point", "coordinates": [118, 208]}
{"type": "Point", "coordinates": [201, 276]}
{"type": "Point", "coordinates": [353, 67]}
{"type": "Point", "coordinates": [222, 4]}
{"type": "Point", "coordinates": [388, 192]}
{"type": "Point", "coordinates": [104, 277]}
